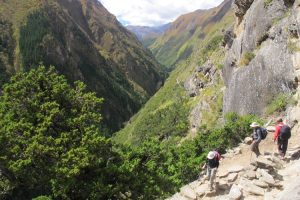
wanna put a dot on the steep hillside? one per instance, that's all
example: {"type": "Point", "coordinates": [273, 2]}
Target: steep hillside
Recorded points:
{"type": "Point", "coordinates": [84, 42]}
{"type": "Point", "coordinates": [147, 34]}
{"type": "Point", "coordinates": [192, 95]}
{"type": "Point", "coordinates": [182, 38]}
{"type": "Point", "coordinates": [263, 60]}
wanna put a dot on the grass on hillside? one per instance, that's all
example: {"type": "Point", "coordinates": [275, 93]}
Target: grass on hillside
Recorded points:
{"type": "Point", "coordinates": [166, 114]}
{"type": "Point", "coordinates": [178, 45]}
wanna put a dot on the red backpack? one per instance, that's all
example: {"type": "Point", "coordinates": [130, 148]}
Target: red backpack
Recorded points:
{"type": "Point", "coordinates": [217, 155]}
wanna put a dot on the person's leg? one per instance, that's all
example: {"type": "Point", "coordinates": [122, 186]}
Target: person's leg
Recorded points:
{"type": "Point", "coordinates": [254, 148]}
{"type": "Point", "coordinates": [212, 178]}
{"type": "Point", "coordinates": [284, 147]}
{"type": "Point", "coordinates": [279, 146]}
{"type": "Point", "coordinates": [208, 173]}
{"type": "Point", "coordinates": [257, 149]}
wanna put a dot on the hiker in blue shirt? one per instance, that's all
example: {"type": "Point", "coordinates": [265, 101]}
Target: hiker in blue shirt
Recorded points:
{"type": "Point", "coordinates": [256, 138]}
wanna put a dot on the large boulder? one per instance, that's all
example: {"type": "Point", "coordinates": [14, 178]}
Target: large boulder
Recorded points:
{"type": "Point", "coordinates": [235, 193]}
{"type": "Point", "coordinates": [250, 188]}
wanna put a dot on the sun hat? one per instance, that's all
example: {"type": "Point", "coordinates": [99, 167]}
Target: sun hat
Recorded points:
{"type": "Point", "coordinates": [254, 124]}
{"type": "Point", "coordinates": [211, 155]}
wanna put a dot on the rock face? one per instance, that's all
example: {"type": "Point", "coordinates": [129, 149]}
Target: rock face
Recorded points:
{"type": "Point", "coordinates": [241, 7]}
{"type": "Point", "coordinates": [259, 64]}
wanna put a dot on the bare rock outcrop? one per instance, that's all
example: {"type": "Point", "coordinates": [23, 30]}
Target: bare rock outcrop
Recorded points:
{"type": "Point", "coordinates": [241, 7]}
{"type": "Point", "coordinates": [263, 59]}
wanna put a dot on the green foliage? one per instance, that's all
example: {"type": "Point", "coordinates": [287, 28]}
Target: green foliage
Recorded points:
{"type": "Point", "coordinates": [50, 139]}
{"type": "Point", "coordinates": [51, 144]}
{"type": "Point", "coordinates": [6, 50]}
{"type": "Point", "coordinates": [234, 131]}
{"type": "Point", "coordinates": [246, 58]}
{"type": "Point", "coordinates": [158, 169]}
{"type": "Point", "coordinates": [181, 42]}
{"type": "Point", "coordinates": [213, 44]}
{"type": "Point", "coordinates": [31, 38]}
{"type": "Point", "coordinates": [279, 104]}
{"type": "Point", "coordinates": [267, 2]}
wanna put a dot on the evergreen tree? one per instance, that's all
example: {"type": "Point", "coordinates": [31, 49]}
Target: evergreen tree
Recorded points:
{"type": "Point", "coordinates": [50, 140]}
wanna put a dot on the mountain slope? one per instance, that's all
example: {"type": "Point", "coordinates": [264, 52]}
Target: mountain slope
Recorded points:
{"type": "Point", "coordinates": [181, 39]}
{"type": "Point", "coordinates": [191, 96]}
{"type": "Point", "coordinates": [146, 34]}
{"type": "Point", "coordinates": [84, 42]}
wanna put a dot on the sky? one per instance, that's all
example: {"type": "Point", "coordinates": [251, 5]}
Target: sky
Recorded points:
{"type": "Point", "coordinates": [154, 12]}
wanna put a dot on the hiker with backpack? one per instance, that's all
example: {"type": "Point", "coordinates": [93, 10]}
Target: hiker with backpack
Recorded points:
{"type": "Point", "coordinates": [212, 164]}
{"type": "Point", "coordinates": [281, 136]}
{"type": "Point", "coordinates": [256, 138]}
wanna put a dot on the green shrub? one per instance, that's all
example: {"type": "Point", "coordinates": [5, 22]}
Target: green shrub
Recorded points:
{"type": "Point", "coordinates": [279, 104]}
{"type": "Point", "coordinates": [50, 139]}
{"type": "Point", "coordinates": [234, 131]}
{"type": "Point", "coordinates": [246, 58]}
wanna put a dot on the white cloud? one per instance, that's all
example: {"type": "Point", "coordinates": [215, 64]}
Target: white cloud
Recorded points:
{"type": "Point", "coordinates": [154, 12]}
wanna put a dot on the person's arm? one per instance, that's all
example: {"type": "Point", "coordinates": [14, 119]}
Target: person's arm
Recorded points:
{"type": "Point", "coordinates": [276, 134]}
{"type": "Point", "coordinates": [258, 132]}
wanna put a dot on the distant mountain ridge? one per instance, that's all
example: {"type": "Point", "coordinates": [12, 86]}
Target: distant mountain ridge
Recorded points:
{"type": "Point", "coordinates": [147, 34]}
{"type": "Point", "coordinates": [180, 39]}
{"type": "Point", "coordinates": [85, 42]}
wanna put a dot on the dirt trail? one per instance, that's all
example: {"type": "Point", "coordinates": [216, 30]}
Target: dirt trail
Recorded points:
{"type": "Point", "coordinates": [239, 159]}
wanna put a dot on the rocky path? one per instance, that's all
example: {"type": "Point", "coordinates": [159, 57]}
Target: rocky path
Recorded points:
{"type": "Point", "coordinates": [243, 176]}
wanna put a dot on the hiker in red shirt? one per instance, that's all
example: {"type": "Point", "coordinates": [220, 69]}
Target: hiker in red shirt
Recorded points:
{"type": "Point", "coordinates": [281, 138]}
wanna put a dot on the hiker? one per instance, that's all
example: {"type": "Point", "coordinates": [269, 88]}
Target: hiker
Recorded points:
{"type": "Point", "coordinates": [256, 138]}
{"type": "Point", "coordinates": [281, 137]}
{"type": "Point", "coordinates": [212, 164]}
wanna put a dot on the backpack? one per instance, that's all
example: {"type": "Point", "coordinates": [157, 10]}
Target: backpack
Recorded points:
{"type": "Point", "coordinates": [285, 132]}
{"type": "Point", "coordinates": [217, 155]}
{"type": "Point", "coordinates": [264, 133]}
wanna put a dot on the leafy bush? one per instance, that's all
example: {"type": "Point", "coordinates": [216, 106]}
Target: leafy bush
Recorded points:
{"type": "Point", "coordinates": [246, 58]}
{"type": "Point", "coordinates": [279, 104]}
{"type": "Point", "coordinates": [234, 131]}
{"type": "Point", "coordinates": [50, 139]}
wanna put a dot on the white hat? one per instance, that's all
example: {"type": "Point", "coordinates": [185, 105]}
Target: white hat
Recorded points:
{"type": "Point", "coordinates": [211, 155]}
{"type": "Point", "coordinates": [254, 125]}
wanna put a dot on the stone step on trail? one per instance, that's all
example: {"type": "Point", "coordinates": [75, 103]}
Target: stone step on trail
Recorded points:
{"type": "Point", "coordinates": [235, 193]}
{"type": "Point", "coordinates": [188, 192]}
